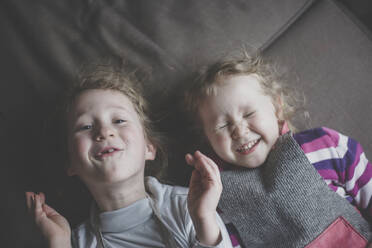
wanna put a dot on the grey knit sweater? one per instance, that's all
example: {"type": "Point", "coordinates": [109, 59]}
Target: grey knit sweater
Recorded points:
{"type": "Point", "coordinates": [284, 202]}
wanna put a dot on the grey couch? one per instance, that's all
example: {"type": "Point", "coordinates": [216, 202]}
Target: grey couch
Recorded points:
{"type": "Point", "coordinates": [325, 48]}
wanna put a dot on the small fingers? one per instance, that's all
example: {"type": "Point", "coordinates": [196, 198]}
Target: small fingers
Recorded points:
{"type": "Point", "coordinates": [205, 160]}
{"type": "Point", "coordinates": [38, 206]}
{"type": "Point", "coordinates": [203, 164]}
{"type": "Point", "coordinates": [49, 211]}
{"type": "Point", "coordinates": [30, 199]}
{"type": "Point", "coordinates": [213, 165]}
{"type": "Point", "coordinates": [207, 166]}
{"type": "Point", "coordinates": [189, 159]}
{"type": "Point", "coordinates": [42, 197]}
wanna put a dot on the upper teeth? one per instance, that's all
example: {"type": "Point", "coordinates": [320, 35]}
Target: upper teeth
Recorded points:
{"type": "Point", "coordinates": [248, 145]}
{"type": "Point", "coordinates": [107, 151]}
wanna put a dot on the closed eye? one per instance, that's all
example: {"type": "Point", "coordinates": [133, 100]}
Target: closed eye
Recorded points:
{"type": "Point", "coordinates": [249, 114]}
{"type": "Point", "coordinates": [223, 126]}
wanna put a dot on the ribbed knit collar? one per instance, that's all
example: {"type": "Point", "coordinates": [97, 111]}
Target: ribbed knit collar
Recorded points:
{"type": "Point", "coordinates": [123, 219]}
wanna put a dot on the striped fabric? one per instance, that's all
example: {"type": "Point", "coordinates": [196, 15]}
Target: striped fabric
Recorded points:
{"type": "Point", "coordinates": [341, 162]}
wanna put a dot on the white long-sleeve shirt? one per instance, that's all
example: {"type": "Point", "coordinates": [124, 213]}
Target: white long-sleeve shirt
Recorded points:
{"type": "Point", "coordinates": [160, 220]}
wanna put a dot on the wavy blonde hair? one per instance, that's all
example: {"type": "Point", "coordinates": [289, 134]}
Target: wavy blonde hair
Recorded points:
{"type": "Point", "coordinates": [284, 98]}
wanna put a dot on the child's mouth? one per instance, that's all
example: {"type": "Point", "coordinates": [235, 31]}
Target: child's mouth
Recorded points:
{"type": "Point", "coordinates": [106, 152]}
{"type": "Point", "coordinates": [248, 147]}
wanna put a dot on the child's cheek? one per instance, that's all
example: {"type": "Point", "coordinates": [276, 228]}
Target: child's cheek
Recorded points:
{"type": "Point", "coordinates": [79, 148]}
{"type": "Point", "coordinates": [222, 141]}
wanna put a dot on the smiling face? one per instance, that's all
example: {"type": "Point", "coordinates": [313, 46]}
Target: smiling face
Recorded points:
{"type": "Point", "coordinates": [240, 121]}
{"type": "Point", "coordinates": [106, 139]}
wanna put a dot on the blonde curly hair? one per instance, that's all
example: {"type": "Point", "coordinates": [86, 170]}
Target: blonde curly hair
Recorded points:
{"type": "Point", "coordinates": [209, 78]}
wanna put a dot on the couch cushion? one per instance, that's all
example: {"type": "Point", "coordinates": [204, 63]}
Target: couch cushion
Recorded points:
{"type": "Point", "coordinates": [329, 58]}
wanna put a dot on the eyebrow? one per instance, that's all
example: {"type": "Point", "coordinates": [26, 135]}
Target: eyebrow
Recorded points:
{"type": "Point", "coordinates": [117, 107]}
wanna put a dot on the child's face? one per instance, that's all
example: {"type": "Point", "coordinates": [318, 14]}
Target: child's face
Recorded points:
{"type": "Point", "coordinates": [106, 138]}
{"type": "Point", "coordinates": [240, 122]}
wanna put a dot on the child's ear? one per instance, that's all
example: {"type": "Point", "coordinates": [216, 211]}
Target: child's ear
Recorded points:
{"type": "Point", "coordinates": [150, 152]}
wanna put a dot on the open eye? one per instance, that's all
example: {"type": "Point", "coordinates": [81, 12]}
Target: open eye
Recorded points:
{"type": "Point", "coordinates": [85, 127]}
{"type": "Point", "coordinates": [119, 121]}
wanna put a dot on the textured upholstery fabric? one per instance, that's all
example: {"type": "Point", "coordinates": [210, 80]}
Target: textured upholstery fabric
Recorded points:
{"type": "Point", "coordinates": [329, 59]}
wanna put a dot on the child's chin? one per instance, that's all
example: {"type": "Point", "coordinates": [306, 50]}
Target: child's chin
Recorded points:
{"type": "Point", "coordinates": [249, 165]}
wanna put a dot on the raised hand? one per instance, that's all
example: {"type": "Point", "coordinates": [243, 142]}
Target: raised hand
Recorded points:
{"type": "Point", "coordinates": [53, 226]}
{"type": "Point", "coordinates": [204, 193]}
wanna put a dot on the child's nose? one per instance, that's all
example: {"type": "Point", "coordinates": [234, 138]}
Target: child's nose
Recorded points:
{"type": "Point", "coordinates": [240, 130]}
{"type": "Point", "coordinates": [103, 133]}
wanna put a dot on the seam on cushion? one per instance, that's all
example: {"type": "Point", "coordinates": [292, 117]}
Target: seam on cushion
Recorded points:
{"type": "Point", "coordinates": [286, 25]}
{"type": "Point", "coordinates": [351, 16]}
